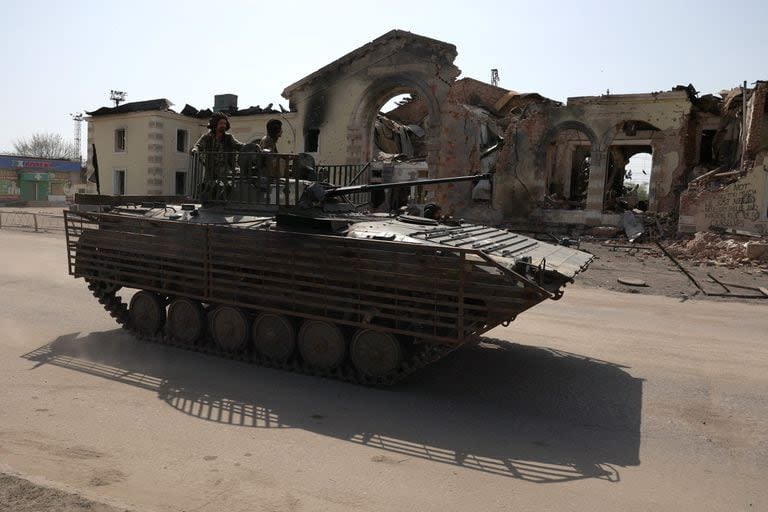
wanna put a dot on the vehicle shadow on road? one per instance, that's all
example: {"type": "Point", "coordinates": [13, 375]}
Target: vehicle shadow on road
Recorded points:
{"type": "Point", "coordinates": [531, 413]}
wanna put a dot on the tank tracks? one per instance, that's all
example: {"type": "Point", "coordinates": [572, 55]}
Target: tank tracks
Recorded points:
{"type": "Point", "coordinates": [426, 353]}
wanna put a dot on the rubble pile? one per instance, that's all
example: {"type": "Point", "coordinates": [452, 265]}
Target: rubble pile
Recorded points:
{"type": "Point", "coordinates": [712, 248]}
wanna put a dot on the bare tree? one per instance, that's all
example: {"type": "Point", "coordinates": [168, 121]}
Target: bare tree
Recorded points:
{"type": "Point", "coordinates": [45, 145]}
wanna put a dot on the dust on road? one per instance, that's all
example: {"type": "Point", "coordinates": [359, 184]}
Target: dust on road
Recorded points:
{"type": "Point", "coordinates": [20, 495]}
{"type": "Point", "coordinates": [601, 400]}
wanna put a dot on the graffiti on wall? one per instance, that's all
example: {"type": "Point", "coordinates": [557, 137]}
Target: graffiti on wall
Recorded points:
{"type": "Point", "coordinates": [733, 207]}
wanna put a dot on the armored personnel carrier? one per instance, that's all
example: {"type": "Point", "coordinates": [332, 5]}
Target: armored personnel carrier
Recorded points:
{"type": "Point", "coordinates": [272, 266]}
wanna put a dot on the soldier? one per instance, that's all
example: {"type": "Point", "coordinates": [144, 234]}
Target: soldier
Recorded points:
{"type": "Point", "coordinates": [274, 131]}
{"type": "Point", "coordinates": [218, 148]}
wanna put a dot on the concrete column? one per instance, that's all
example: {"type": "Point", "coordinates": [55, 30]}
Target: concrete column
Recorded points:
{"type": "Point", "coordinates": [598, 168]}
{"type": "Point", "coordinates": [566, 168]}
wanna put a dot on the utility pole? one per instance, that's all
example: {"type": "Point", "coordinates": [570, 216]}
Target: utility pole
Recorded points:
{"type": "Point", "coordinates": [495, 77]}
{"type": "Point", "coordinates": [743, 124]}
{"type": "Point", "coordinates": [78, 119]}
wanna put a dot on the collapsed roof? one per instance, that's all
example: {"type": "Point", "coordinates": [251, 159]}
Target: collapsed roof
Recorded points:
{"type": "Point", "coordinates": [161, 104]}
{"type": "Point", "coordinates": [164, 105]}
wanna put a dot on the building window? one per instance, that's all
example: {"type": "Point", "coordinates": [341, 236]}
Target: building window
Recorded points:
{"type": "Point", "coordinates": [118, 182]}
{"type": "Point", "coordinates": [120, 140]}
{"type": "Point", "coordinates": [706, 150]}
{"type": "Point", "coordinates": [181, 141]}
{"type": "Point", "coordinates": [181, 183]}
{"type": "Point", "coordinates": [312, 140]}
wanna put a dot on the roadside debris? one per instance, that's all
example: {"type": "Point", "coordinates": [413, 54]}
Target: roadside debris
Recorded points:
{"type": "Point", "coordinates": [631, 281]}
{"type": "Point", "coordinates": [757, 250]}
{"type": "Point", "coordinates": [763, 292]}
{"type": "Point", "coordinates": [727, 287]}
{"type": "Point", "coordinates": [604, 232]}
{"type": "Point", "coordinates": [629, 248]}
{"type": "Point", "coordinates": [633, 227]}
{"type": "Point", "coordinates": [711, 248]}
{"type": "Point", "coordinates": [682, 269]}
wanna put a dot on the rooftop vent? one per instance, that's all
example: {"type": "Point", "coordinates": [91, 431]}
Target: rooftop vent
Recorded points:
{"type": "Point", "coordinates": [225, 103]}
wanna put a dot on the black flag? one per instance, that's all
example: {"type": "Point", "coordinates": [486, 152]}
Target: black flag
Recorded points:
{"type": "Point", "coordinates": [95, 176]}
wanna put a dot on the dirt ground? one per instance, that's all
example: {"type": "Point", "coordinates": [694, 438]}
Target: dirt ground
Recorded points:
{"type": "Point", "coordinates": [44, 210]}
{"type": "Point", "coordinates": [662, 277]}
{"type": "Point", "coordinates": [599, 401]}
{"type": "Point", "coordinates": [20, 495]}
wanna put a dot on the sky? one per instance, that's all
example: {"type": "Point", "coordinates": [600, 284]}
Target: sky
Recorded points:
{"type": "Point", "coordinates": [60, 58]}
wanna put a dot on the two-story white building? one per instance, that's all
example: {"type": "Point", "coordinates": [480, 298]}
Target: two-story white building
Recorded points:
{"type": "Point", "coordinates": [143, 148]}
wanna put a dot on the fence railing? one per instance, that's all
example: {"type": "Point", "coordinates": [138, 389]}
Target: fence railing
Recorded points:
{"type": "Point", "coordinates": [246, 177]}
{"type": "Point", "coordinates": [266, 178]}
{"type": "Point", "coordinates": [31, 221]}
{"type": "Point", "coordinates": [350, 174]}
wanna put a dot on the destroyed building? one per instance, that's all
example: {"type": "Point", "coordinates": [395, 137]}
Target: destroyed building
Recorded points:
{"type": "Point", "coordinates": [731, 189]}
{"type": "Point", "coordinates": [555, 163]}
{"type": "Point", "coordinates": [565, 164]}
{"type": "Point", "coordinates": [560, 163]}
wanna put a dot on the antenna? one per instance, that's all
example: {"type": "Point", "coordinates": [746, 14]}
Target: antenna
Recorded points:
{"type": "Point", "coordinates": [495, 77]}
{"type": "Point", "coordinates": [117, 96]}
{"type": "Point", "coordinates": [78, 119]}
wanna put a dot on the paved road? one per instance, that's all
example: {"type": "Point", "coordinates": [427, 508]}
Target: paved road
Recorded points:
{"type": "Point", "coordinates": [601, 401]}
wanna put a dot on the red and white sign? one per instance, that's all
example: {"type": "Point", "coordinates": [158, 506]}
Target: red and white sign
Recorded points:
{"type": "Point", "coordinates": [30, 164]}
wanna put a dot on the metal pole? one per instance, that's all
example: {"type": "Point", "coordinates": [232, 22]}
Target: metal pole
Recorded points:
{"type": "Point", "coordinates": [34, 218]}
{"type": "Point", "coordinates": [743, 123]}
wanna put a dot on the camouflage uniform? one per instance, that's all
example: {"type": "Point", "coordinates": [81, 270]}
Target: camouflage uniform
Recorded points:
{"type": "Point", "coordinates": [218, 156]}
{"type": "Point", "coordinates": [269, 144]}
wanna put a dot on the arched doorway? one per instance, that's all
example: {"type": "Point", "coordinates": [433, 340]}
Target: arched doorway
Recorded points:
{"type": "Point", "coordinates": [629, 182]}
{"type": "Point", "coordinates": [422, 113]}
{"type": "Point", "coordinates": [399, 150]}
{"type": "Point", "coordinates": [400, 127]}
{"type": "Point", "coordinates": [637, 177]}
{"type": "Point", "coordinates": [567, 157]}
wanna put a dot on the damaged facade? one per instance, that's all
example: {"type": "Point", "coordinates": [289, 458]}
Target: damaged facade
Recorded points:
{"type": "Point", "coordinates": [734, 192]}
{"type": "Point", "coordinates": [565, 164]}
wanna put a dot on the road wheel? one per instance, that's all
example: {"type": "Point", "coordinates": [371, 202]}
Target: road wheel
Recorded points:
{"type": "Point", "coordinates": [375, 353]}
{"type": "Point", "coordinates": [186, 321]}
{"type": "Point", "coordinates": [230, 328]}
{"type": "Point", "coordinates": [322, 344]}
{"type": "Point", "coordinates": [147, 312]}
{"type": "Point", "coordinates": [274, 336]}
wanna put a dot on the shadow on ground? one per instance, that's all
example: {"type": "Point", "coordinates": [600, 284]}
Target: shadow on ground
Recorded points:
{"type": "Point", "coordinates": [530, 413]}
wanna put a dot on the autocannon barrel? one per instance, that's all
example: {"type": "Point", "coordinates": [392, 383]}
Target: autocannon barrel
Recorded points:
{"type": "Point", "coordinates": [339, 191]}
